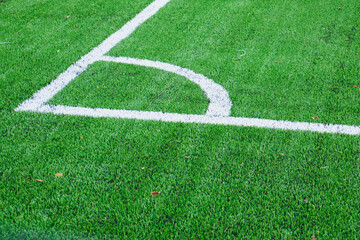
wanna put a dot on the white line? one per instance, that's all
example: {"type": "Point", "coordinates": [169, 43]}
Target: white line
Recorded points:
{"type": "Point", "coordinates": [49, 91]}
{"type": "Point", "coordinates": [242, 50]}
{"type": "Point", "coordinates": [125, 31]}
{"type": "Point", "coordinates": [188, 118]}
{"type": "Point", "coordinates": [219, 98]}
{"type": "Point", "coordinates": [220, 103]}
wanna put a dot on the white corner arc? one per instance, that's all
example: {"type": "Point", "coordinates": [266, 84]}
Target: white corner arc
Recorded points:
{"type": "Point", "coordinates": [219, 107]}
{"type": "Point", "coordinates": [220, 103]}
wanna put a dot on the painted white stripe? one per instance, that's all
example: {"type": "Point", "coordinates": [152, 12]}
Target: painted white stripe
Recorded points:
{"type": "Point", "coordinates": [124, 32]}
{"type": "Point", "coordinates": [220, 103]}
{"type": "Point", "coordinates": [49, 91]}
{"type": "Point", "coordinates": [219, 107]}
{"type": "Point", "coordinates": [188, 118]}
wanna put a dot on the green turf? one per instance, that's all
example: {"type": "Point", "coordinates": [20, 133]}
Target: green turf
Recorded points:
{"type": "Point", "coordinates": [300, 57]}
{"type": "Point", "coordinates": [236, 184]}
{"type": "Point", "coordinates": [215, 181]}
{"type": "Point", "coordinates": [119, 86]}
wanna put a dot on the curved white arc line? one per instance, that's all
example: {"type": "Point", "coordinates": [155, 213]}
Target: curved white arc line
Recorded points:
{"type": "Point", "coordinates": [37, 102]}
{"type": "Point", "coordinates": [204, 119]}
{"type": "Point", "coordinates": [220, 103]}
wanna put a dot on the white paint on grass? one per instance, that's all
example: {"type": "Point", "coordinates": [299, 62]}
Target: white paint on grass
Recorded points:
{"type": "Point", "coordinates": [191, 118]}
{"type": "Point", "coordinates": [218, 110]}
{"type": "Point", "coordinates": [40, 98]}
{"type": "Point", "coordinates": [244, 52]}
{"type": "Point", "coordinates": [220, 103]}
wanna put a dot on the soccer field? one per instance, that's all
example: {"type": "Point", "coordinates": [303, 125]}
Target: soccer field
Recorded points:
{"type": "Point", "coordinates": [179, 119]}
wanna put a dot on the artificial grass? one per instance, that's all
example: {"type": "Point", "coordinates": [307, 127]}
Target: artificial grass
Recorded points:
{"type": "Point", "coordinates": [300, 57]}
{"type": "Point", "coordinates": [215, 181]}
{"type": "Point", "coordinates": [119, 86]}
{"type": "Point", "coordinates": [245, 182]}
{"type": "Point", "coordinates": [46, 37]}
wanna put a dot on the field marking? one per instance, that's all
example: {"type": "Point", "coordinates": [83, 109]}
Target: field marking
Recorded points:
{"type": "Point", "coordinates": [219, 107]}
{"type": "Point", "coordinates": [220, 103]}
{"type": "Point", "coordinates": [205, 119]}
{"type": "Point", "coordinates": [40, 98]}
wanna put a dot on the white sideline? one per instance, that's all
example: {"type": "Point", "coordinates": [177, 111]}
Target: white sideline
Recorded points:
{"type": "Point", "coordinates": [218, 110]}
{"type": "Point", "coordinates": [190, 118]}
